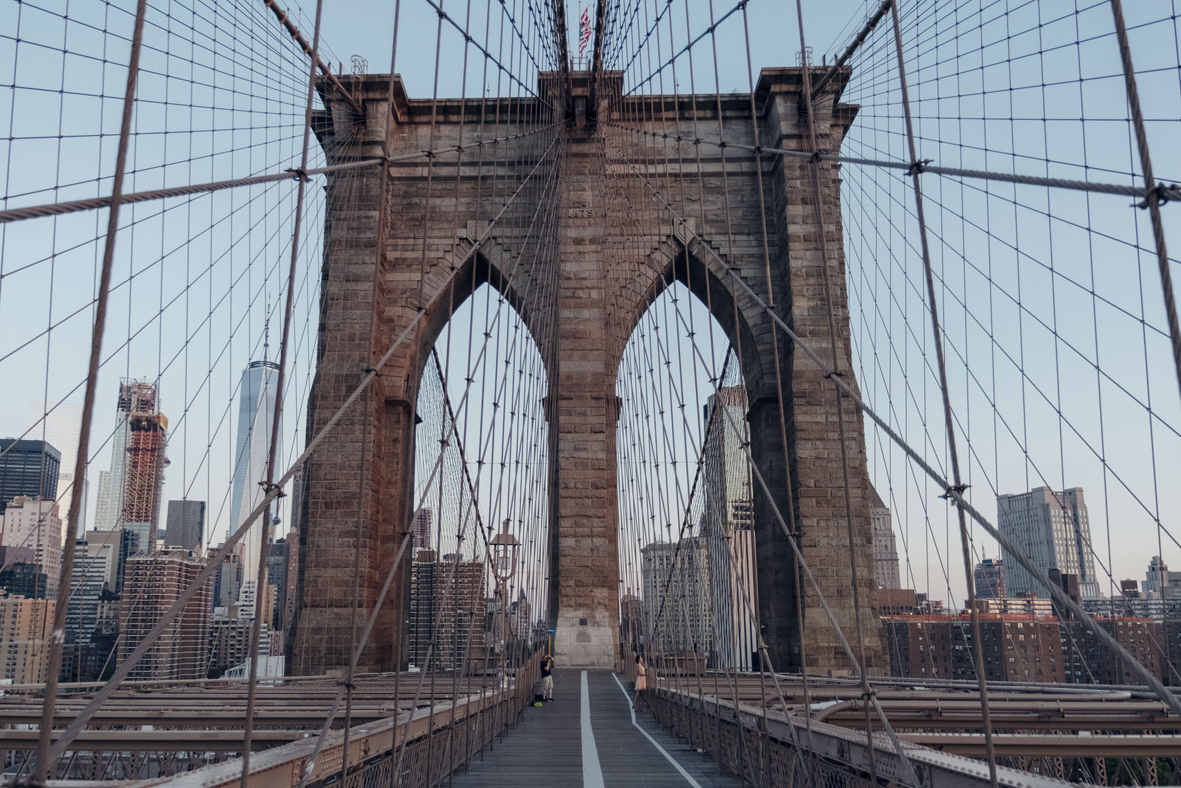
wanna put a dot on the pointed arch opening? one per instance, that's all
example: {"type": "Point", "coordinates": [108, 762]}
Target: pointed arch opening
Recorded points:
{"type": "Point", "coordinates": [688, 580]}
{"type": "Point", "coordinates": [481, 492]}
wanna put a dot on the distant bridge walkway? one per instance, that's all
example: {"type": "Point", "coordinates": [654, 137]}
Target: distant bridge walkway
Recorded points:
{"type": "Point", "coordinates": [589, 737]}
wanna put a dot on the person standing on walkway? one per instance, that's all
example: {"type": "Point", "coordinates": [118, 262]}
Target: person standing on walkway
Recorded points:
{"type": "Point", "coordinates": [641, 680]}
{"type": "Point", "coordinates": [547, 678]}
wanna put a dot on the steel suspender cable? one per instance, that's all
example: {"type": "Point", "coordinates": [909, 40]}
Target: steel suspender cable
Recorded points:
{"type": "Point", "coordinates": [1153, 193]}
{"type": "Point", "coordinates": [45, 754]}
{"type": "Point", "coordinates": [958, 485]}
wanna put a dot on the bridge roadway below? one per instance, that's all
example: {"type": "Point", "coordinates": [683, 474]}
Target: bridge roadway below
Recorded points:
{"type": "Point", "coordinates": [588, 736]}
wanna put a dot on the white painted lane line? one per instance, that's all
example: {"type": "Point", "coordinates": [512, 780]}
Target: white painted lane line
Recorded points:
{"type": "Point", "coordinates": [688, 777]}
{"type": "Point", "coordinates": [592, 775]}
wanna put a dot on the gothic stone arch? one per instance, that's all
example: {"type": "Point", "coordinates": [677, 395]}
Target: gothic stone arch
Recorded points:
{"type": "Point", "coordinates": [370, 292]}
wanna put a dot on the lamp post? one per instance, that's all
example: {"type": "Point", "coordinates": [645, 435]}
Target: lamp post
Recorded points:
{"type": "Point", "coordinates": [504, 548]}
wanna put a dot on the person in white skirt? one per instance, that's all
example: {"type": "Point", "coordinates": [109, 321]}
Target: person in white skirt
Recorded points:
{"type": "Point", "coordinates": [641, 679]}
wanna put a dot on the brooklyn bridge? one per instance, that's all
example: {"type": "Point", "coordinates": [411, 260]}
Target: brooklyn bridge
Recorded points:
{"type": "Point", "coordinates": [583, 401]}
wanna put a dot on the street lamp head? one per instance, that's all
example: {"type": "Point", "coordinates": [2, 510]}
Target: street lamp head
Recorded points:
{"type": "Point", "coordinates": [504, 553]}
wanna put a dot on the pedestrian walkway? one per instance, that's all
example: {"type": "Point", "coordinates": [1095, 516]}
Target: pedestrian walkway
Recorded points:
{"type": "Point", "coordinates": [588, 737]}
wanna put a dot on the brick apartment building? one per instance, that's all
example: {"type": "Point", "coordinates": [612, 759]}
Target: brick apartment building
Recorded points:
{"type": "Point", "coordinates": [1022, 648]}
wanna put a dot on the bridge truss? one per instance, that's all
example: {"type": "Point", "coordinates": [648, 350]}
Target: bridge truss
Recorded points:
{"type": "Point", "coordinates": [978, 283]}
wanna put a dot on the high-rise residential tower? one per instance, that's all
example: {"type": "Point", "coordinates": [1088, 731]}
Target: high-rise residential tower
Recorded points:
{"type": "Point", "coordinates": [885, 549]}
{"type": "Point", "coordinates": [186, 525]}
{"type": "Point", "coordinates": [152, 584]}
{"type": "Point", "coordinates": [28, 468]}
{"type": "Point", "coordinates": [62, 424]}
{"type": "Point", "coordinates": [446, 606]}
{"type": "Point", "coordinates": [34, 523]}
{"type": "Point", "coordinates": [728, 532]}
{"type": "Point", "coordinates": [257, 397]}
{"type": "Point", "coordinates": [421, 528]}
{"type": "Point", "coordinates": [1052, 529]}
{"type": "Point", "coordinates": [24, 641]}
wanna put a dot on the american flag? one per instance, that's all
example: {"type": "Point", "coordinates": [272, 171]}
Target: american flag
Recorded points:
{"type": "Point", "coordinates": [584, 33]}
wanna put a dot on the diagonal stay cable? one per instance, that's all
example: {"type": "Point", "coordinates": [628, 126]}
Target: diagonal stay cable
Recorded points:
{"type": "Point", "coordinates": [74, 206]}
{"type": "Point", "coordinates": [783, 525]}
{"type": "Point", "coordinates": [1165, 193]}
{"type": "Point", "coordinates": [215, 560]}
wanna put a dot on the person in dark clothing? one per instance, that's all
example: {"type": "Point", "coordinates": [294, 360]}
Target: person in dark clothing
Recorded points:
{"type": "Point", "coordinates": [547, 678]}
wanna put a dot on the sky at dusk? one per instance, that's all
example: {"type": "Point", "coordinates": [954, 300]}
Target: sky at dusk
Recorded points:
{"type": "Point", "coordinates": [1058, 359]}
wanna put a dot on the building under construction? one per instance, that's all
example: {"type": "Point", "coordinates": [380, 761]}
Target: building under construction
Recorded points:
{"type": "Point", "coordinates": [146, 460]}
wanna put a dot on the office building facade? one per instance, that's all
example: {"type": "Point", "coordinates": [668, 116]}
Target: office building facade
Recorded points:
{"type": "Point", "coordinates": [1052, 529]}
{"type": "Point", "coordinates": [728, 532]}
{"type": "Point", "coordinates": [989, 579]}
{"type": "Point", "coordinates": [29, 469]}
{"type": "Point", "coordinates": [885, 549]}
{"type": "Point", "coordinates": [678, 604]}
{"type": "Point", "coordinates": [61, 425]}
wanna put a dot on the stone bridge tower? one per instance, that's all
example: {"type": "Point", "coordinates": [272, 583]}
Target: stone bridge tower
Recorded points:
{"type": "Point", "coordinates": [371, 294]}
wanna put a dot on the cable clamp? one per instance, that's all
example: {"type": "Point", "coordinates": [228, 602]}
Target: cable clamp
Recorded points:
{"type": "Point", "coordinates": [298, 173]}
{"type": "Point", "coordinates": [957, 489]}
{"type": "Point", "coordinates": [834, 374]}
{"type": "Point", "coordinates": [815, 158]}
{"type": "Point", "coordinates": [919, 166]}
{"type": "Point", "coordinates": [368, 370]}
{"type": "Point", "coordinates": [272, 490]}
{"type": "Point", "coordinates": [869, 694]}
{"type": "Point", "coordinates": [346, 684]}
{"type": "Point", "coordinates": [1162, 193]}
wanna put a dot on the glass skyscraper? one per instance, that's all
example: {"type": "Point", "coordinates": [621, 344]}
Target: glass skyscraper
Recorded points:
{"type": "Point", "coordinates": [257, 398]}
{"type": "Point", "coordinates": [29, 468]}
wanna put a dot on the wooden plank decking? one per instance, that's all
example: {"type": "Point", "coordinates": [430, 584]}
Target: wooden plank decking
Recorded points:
{"type": "Point", "coordinates": [545, 749]}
